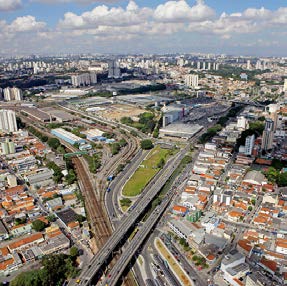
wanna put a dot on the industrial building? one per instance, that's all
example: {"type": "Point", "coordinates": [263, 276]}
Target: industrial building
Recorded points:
{"type": "Point", "coordinates": [180, 130]}
{"type": "Point", "coordinates": [38, 114]}
{"type": "Point", "coordinates": [174, 112]}
{"type": "Point", "coordinates": [67, 136]}
{"type": "Point", "coordinates": [94, 134]}
{"type": "Point", "coordinates": [41, 178]}
{"type": "Point", "coordinates": [58, 115]}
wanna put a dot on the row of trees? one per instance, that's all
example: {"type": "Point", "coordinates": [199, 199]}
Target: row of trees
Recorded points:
{"type": "Point", "coordinates": [38, 134]}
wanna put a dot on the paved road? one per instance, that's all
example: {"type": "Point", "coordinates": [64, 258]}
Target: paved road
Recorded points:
{"type": "Point", "coordinates": [111, 198]}
{"type": "Point", "coordinates": [193, 273]}
{"type": "Point", "coordinates": [128, 221]}
{"type": "Point", "coordinates": [117, 270]}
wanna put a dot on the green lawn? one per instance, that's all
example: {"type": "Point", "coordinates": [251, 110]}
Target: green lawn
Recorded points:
{"type": "Point", "coordinates": [145, 172]}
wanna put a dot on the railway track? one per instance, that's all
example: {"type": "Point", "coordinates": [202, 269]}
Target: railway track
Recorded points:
{"type": "Point", "coordinates": [100, 227]}
{"type": "Point", "coordinates": [99, 220]}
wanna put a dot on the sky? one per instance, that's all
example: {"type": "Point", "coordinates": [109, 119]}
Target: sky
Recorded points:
{"type": "Point", "coordinates": [237, 27]}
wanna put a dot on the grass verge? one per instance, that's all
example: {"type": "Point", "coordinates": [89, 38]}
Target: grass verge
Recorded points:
{"type": "Point", "coordinates": [146, 171]}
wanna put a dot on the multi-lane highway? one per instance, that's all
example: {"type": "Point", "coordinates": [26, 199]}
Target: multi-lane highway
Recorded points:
{"type": "Point", "coordinates": [111, 198]}
{"type": "Point", "coordinates": [88, 274]}
{"type": "Point", "coordinates": [116, 272]}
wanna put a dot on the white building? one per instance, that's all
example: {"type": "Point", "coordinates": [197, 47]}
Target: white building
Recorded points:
{"type": "Point", "coordinates": [242, 123]}
{"type": "Point", "coordinates": [248, 65]}
{"type": "Point", "coordinates": [84, 79]}
{"type": "Point", "coordinates": [12, 93]}
{"type": "Point", "coordinates": [285, 85]}
{"type": "Point", "coordinates": [203, 65]}
{"type": "Point", "coordinates": [234, 267]}
{"type": "Point", "coordinates": [191, 80]}
{"type": "Point", "coordinates": [249, 144]}
{"type": "Point", "coordinates": [8, 121]}
{"type": "Point", "coordinates": [12, 180]}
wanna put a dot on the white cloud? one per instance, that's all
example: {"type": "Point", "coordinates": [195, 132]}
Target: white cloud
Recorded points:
{"type": "Point", "coordinates": [25, 24]}
{"type": "Point", "coordinates": [172, 23]}
{"type": "Point", "coordinates": [10, 5]}
{"type": "Point", "coordinates": [105, 16]}
{"type": "Point", "coordinates": [180, 11]}
{"type": "Point", "coordinates": [73, 1]}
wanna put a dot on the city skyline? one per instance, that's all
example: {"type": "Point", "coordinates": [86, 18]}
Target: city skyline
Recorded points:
{"type": "Point", "coordinates": [256, 28]}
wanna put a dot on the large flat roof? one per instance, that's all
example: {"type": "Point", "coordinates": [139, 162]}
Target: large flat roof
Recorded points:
{"type": "Point", "coordinates": [181, 129]}
{"type": "Point", "coordinates": [67, 134]}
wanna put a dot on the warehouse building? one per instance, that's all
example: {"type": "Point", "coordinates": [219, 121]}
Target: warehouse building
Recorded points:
{"type": "Point", "coordinates": [37, 114]}
{"type": "Point", "coordinates": [94, 134]}
{"type": "Point", "coordinates": [59, 115]}
{"type": "Point", "coordinates": [67, 136]}
{"type": "Point", "coordinates": [180, 130]}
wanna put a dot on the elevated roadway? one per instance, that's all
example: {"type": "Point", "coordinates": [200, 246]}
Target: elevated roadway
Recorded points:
{"type": "Point", "coordinates": [118, 269]}
{"type": "Point", "coordinates": [96, 265]}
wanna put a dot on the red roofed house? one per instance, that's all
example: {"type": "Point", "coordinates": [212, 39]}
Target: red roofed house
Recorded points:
{"type": "Point", "coordinates": [179, 210]}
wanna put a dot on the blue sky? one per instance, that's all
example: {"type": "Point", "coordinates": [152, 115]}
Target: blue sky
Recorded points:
{"type": "Point", "coordinates": [51, 26]}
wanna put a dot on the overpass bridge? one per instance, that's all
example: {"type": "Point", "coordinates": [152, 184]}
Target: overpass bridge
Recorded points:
{"type": "Point", "coordinates": [251, 103]}
{"type": "Point", "coordinates": [118, 269]}
{"type": "Point", "coordinates": [94, 270]}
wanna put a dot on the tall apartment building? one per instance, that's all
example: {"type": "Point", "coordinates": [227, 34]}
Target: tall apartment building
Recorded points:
{"type": "Point", "coordinates": [114, 69]}
{"type": "Point", "coordinates": [285, 85]}
{"type": "Point", "coordinates": [249, 144]}
{"type": "Point", "coordinates": [191, 80]}
{"type": "Point", "coordinates": [8, 147]}
{"type": "Point", "coordinates": [84, 79]}
{"type": "Point", "coordinates": [248, 65]}
{"type": "Point", "coordinates": [8, 121]}
{"type": "Point", "coordinates": [268, 135]}
{"type": "Point", "coordinates": [12, 93]}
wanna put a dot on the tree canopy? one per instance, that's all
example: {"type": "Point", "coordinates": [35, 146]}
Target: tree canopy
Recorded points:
{"type": "Point", "coordinates": [56, 269]}
{"type": "Point", "coordinates": [146, 144]}
{"type": "Point", "coordinates": [38, 225]}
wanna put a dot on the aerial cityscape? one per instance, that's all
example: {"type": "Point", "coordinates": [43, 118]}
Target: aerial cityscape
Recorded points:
{"type": "Point", "coordinates": [143, 143]}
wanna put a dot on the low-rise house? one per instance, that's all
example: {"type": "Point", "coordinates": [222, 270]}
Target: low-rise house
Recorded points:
{"type": "Point", "coordinates": [281, 246]}
{"type": "Point", "coordinates": [26, 242]}
{"type": "Point", "coordinates": [235, 215]}
{"type": "Point", "coordinates": [55, 204]}
{"type": "Point", "coordinates": [179, 210]}
{"type": "Point", "coordinates": [54, 244]}
{"type": "Point", "coordinates": [21, 229]}
{"type": "Point", "coordinates": [268, 265]}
